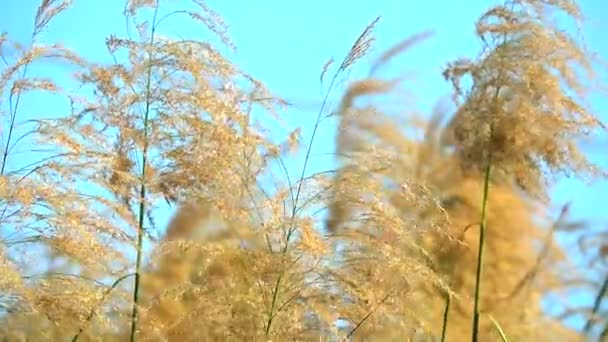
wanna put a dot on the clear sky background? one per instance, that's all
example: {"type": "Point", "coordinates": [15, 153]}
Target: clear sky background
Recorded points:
{"type": "Point", "coordinates": [286, 44]}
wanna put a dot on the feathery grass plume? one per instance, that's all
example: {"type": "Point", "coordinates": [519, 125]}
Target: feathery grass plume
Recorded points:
{"type": "Point", "coordinates": [518, 116]}
{"type": "Point", "coordinates": [537, 113]}
{"type": "Point", "coordinates": [202, 145]}
{"type": "Point", "coordinates": [356, 52]}
{"type": "Point", "coordinates": [188, 137]}
{"type": "Point", "coordinates": [361, 46]}
{"type": "Point", "coordinates": [450, 250]}
{"type": "Point", "coordinates": [511, 247]}
{"type": "Point", "coordinates": [31, 204]}
{"type": "Point", "coordinates": [372, 217]}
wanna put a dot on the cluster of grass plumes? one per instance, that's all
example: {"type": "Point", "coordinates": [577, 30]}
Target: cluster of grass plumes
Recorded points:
{"type": "Point", "coordinates": [172, 123]}
{"type": "Point", "coordinates": [523, 115]}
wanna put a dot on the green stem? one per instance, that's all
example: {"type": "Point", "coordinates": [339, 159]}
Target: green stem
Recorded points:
{"type": "Point", "coordinates": [596, 306]}
{"type": "Point", "coordinates": [142, 192]}
{"type": "Point", "coordinates": [275, 293]}
{"type": "Point", "coordinates": [444, 329]}
{"type": "Point", "coordinates": [92, 313]}
{"type": "Point", "coordinates": [482, 234]}
{"type": "Point", "coordinates": [484, 207]}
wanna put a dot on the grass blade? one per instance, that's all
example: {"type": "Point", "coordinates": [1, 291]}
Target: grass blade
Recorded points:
{"type": "Point", "coordinates": [499, 329]}
{"type": "Point", "coordinates": [444, 328]}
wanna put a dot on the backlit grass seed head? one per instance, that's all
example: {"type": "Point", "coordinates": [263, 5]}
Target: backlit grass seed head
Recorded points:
{"type": "Point", "coordinates": [361, 45]}
{"type": "Point", "coordinates": [526, 108]}
{"type": "Point", "coordinates": [46, 11]}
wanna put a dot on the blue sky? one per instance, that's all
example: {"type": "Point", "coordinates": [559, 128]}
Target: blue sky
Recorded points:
{"type": "Point", "coordinates": [286, 43]}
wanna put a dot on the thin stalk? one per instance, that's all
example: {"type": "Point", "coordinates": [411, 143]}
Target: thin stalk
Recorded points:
{"type": "Point", "coordinates": [142, 191]}
{"type": "Point", "coordinates": [597, 303]}
{"type": "Point", "coordinates": [482, 227]}
{"type": "Point", "coordinates": [14, 109]}
{"type": "Point", "coordinates": [444, 328]}
{"type": "Point", "coordinates": [368, 315]}
{"type": "Point", "coordinates": [92, 313]}
{"type": "Point", "coordinates": [502, 334]}
{"type": "Point", "coordinates": [275, 293]}
{"type": "Point", "coordinates": [11, 128]}
{"type": "Point", "coordinates": [482, 235]}
{"type": "Point", "coordinates": [348, 60]}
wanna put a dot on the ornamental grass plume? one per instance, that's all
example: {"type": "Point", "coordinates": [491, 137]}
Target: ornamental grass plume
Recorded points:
{"type": "Point", "coordinates": [404, 216]}
{"type": "Point", "coordinates": [524, 113]}
{"type": "Point", "coordinates": [525, 110]}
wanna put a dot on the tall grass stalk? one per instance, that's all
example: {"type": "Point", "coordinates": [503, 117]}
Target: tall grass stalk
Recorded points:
{"type": "Point", "coordinates": [357, 51]}
{"type": "Point", "coordinates": [482, 232]}
{"type": "Point", "coordinates": [275, 292]}
{"type": "Point", "coordinates": [484, 207]}
{"type": "Point", "coordinates": [142, 192]}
